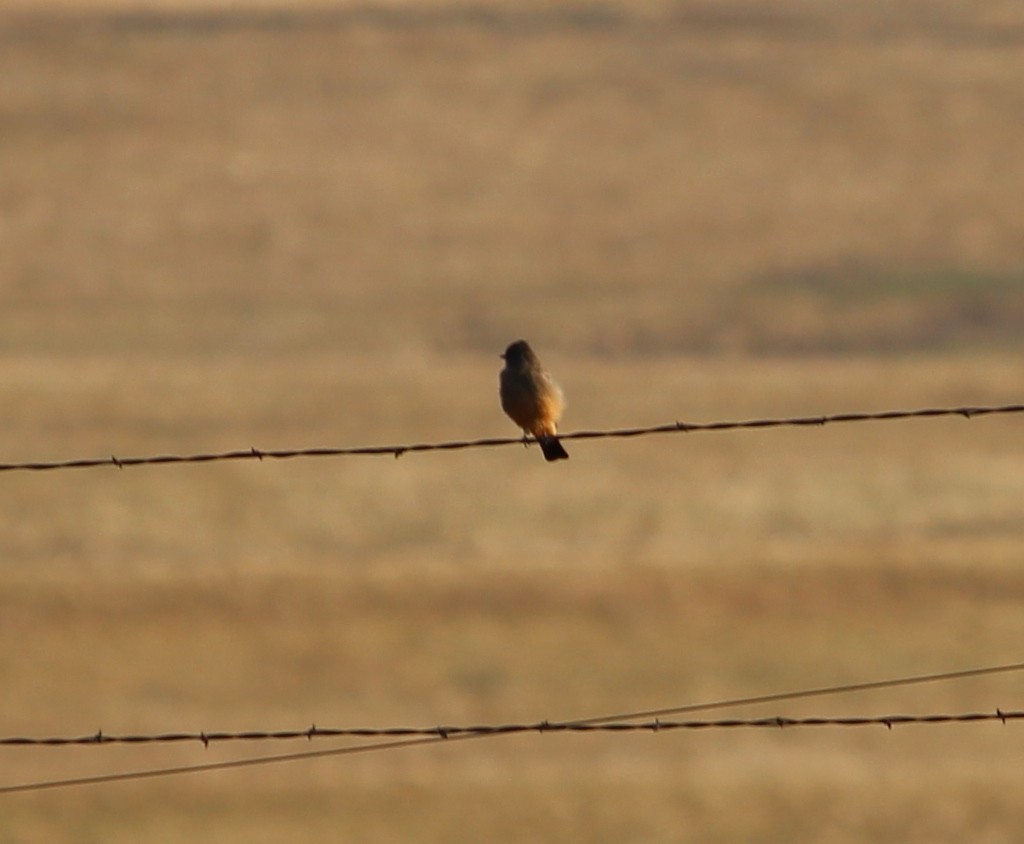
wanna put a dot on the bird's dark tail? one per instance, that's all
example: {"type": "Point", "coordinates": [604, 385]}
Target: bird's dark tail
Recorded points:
{"type": "Point", "coordinates": [552, 448]}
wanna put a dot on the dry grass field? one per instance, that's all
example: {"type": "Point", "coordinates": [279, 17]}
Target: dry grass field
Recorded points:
{"type": "Point", "coordinates": [273, 226]}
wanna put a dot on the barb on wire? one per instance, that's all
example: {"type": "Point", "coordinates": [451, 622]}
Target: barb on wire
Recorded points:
{"type": "Point", "coordinates": [967, 412]}
{"type": "Point", "coordinates": [452, 731]}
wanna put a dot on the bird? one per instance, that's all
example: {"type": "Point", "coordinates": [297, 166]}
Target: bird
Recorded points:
{"type": "Point", "coordinates": [532, 399]}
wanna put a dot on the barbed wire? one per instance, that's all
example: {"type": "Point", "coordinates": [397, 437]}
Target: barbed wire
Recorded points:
{"type": "Point", "coordinates": [446, 732]}
{"type": "Point", "coordinates": [626, 722]}
{"type": "Point", "coordinates": [253, 453]}
{"type": "Point", "coordinates": [431, 735]}
{"type": "Point", "coordinates": [580, 724]}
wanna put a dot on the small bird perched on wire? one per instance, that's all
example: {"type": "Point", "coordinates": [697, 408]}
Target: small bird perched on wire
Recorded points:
{"type": "Point", "coordinates": [532, 399]}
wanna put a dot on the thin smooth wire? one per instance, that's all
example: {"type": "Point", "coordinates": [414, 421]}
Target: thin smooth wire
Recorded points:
{"type": "Point", "coordinates": [967, 412]}
{"type": "Point", "coordinates": [441, 734]}
{"type": "Point", "coordinates": [729, 703]}
{"type": "Point", "coordinates": [220, 766]}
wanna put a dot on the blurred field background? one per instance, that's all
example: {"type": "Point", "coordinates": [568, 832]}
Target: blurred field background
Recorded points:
{"type": "Point", "coordinates": [280, 226]}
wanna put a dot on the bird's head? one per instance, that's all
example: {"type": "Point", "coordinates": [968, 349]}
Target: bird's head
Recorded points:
{"type": "Point", "coordinates": [518, 353]}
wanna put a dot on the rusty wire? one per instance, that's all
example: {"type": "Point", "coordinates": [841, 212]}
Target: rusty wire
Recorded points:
{"type": "Point", "coordinates": [253, 453]}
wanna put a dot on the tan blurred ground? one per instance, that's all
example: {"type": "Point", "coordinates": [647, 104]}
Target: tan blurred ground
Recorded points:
{"type": "Point", "coordinates": [273, 226]}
